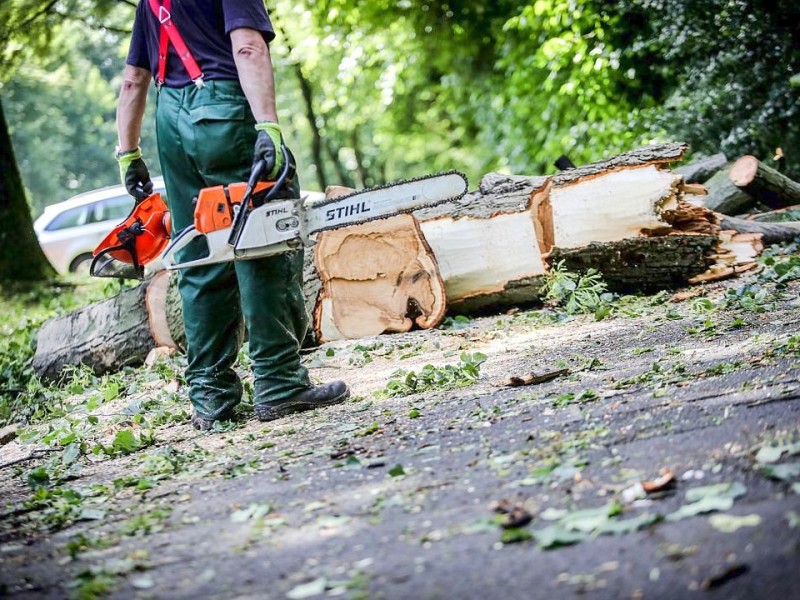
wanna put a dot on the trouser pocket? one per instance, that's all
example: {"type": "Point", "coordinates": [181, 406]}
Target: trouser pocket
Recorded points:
{"type": "Point", "coordinates": [223, 137]}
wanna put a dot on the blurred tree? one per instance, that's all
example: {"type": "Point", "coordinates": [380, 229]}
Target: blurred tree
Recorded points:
{"type": "Point", "coordinates": [21, 258]}
{"type": "Point", "coordinates": [727, 66]}
{"type": "Point", "coordinates": [30, 28]}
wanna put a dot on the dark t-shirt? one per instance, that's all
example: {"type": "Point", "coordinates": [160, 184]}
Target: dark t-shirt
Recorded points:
{"type": "Point", "coordinates": [205, 26]}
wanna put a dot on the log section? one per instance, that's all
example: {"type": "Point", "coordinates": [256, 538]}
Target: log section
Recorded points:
{"type": "Point", "coordinates": [702, 169]}
{"type": "Point", "coordinates": [764, 184]}
{"type": "Point", "coordinates": [376, 277]}
{"type": "Point", "coordinates": [771, 233]}
{"type": "Point", "coordinates": [643, 264]}
{"type": "Point", "coordinates": [724, 197]}
{"type": "Point", "coordinates": [109, 334]}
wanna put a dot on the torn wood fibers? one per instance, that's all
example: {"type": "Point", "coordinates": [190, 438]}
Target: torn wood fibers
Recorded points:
{"type": "Point", "coordinates": [629, 216]}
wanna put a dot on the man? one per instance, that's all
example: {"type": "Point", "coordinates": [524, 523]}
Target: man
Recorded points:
{"type": "Point", "coordinates": [215, 117]}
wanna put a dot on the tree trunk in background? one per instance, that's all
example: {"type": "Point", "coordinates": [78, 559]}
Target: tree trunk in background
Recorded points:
{"type": "Point", "coordinates": [764, 183]}
{"type": "Point", "coordinates": [21, 257]}
{"type": "Point", "coordinates": [316, 137]}
{"type": "Point", "coordinates": [702, 170]}
{"type": "Point", "coordinates": [772, 233]}
{"type": "Point", "coordinates": [345, 178]}
{"type": "Point", "coordinates": [360, 167]}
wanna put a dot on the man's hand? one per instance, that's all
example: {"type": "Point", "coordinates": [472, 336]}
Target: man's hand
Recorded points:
{"type": "Point", "coordinates": [268, 148]}
{"type": "Point", "coordinates": [134, 174]}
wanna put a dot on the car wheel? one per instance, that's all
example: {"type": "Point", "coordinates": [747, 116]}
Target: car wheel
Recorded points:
{"type": "Point", "coordinates": [81, 264]}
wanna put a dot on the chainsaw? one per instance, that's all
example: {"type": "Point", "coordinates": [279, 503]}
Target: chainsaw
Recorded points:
{"type": "Point", "coordinates": [243, 221]}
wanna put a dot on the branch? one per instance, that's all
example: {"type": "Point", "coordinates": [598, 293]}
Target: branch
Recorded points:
{"type": "Point", "coordinates": [111, 28]}
{"type": "Point", "coordinates": [128, 2]}
{"type": "Point", "coordinates": [27, 22]}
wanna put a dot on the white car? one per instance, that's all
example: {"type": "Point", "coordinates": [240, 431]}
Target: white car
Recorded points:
{"type": "Point", "coordinates": [69, 231]}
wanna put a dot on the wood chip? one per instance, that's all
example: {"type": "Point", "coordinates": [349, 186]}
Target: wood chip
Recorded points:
{"type": "Point", "coordinates": [533, 378]}
{"type": "Point", "coordinates": [687, 295]}
{"type": "Point", "coordinates": [666, 480]}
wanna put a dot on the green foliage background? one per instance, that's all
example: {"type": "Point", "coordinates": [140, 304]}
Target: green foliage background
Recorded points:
{"type": "Point", "coordinates": [399, 88]}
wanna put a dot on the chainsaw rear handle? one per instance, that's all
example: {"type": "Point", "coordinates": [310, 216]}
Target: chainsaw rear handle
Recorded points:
{"type": "Point", "coordinates": [286, 174]}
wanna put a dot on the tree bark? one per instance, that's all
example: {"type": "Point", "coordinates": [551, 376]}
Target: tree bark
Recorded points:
{"type": "Point", "coordinates": [112, 333]}
{"type": "Point", "coordinates": [643, 264]}
{"type": "Point", "coordinates": [790, 213]}
{"type": "Point", "coordinates": [764, 184]}
{"type": "Point", "coordinates": [703, 169]}
{"type": "Point", "coordinates": [772, 233]}
{"type": "Point", "coordinates": [724, 197]}
{"type": "Point", "coordinates": [21, 257]}
{"type": "Point", "coordinates": [361, 168]}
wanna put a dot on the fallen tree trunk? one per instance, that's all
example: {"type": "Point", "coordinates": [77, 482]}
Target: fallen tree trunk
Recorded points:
{"type": "Point", "coordinates": [725, 197]}
{"type": "Point", "coordinates": [790, 213]}
{"type": "Point", "coordinates": [112, 333]}
{"type": "Point", "coordinates": [764, 184]}
{"type": "Point", "coordinates": [771, 233]}
{"type": "Point", "coordinates": [626, 216]}
{"type": "Point", "coordinates": [703, 169]}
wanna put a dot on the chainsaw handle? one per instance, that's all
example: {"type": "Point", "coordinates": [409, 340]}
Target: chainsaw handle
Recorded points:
{"type": "Point", "coordinates": [287, 172]}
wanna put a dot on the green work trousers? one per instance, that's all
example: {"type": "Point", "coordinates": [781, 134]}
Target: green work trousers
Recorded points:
{"type": "Point", "coordinates": [206, 138]}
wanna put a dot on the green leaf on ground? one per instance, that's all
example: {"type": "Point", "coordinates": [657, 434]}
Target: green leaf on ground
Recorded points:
{"type": "Point", "coordinates": [769, 454]}
{"type": "Point", "coordinates": [793, 518]}
{"type": "Point", "coordinates": [709, 498]}
{"type": "Point", "coordinates": [557, 536]}
{"type": "Point", "coordinates": [515, 535]}
{"type": "Point", "coordinates": [590, 519]}
{"type": "Point", "coordinates": [308, 590]}
{"type": "Point", "coordinates": [397, 471]}
{"type": "Point", "coordinates": [91, 514]}
{"type": "Point", "coordinates": [254, 511]}
{"type": "Point", "coordinates": [623, 526]}
{"type": "Point", "coordinates": [125, 442]}
{"type": "Point", "coordinates": [772, 454]}
{"type": "Point", "coordinates": [730, 489]}
{"type": "Point", "coordinates": [784, 472]}
{"type": "Point", "coordinates": [706, 505]}
{"type": "Point", "coordinates": [731, 523]}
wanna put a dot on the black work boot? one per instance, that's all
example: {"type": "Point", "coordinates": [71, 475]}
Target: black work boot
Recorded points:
{"type": "Point", "coordinates": [206, 424]}
{"type": "Point", "coordinates": [328, 394]}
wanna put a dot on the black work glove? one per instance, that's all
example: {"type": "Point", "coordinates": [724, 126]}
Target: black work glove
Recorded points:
{"type": "Point", "coordinates": [134, 174]}
{"type": "Point", "coordinates": [268, 148]}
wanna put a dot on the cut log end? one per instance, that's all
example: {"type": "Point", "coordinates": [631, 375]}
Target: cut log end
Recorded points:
{"type": "Point", "coordinates": [377, 277]}
{"type": "Point", "coordinates": [744, 171]}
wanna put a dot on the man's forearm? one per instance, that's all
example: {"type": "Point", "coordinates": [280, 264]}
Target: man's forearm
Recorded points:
{"type": "Point", "coordinates": [131, 105]}
{"type": "Point", "coordinates": [254, 64]}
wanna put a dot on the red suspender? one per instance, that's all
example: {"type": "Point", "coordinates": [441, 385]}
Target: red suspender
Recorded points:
{"type": "Point", "coordinates": [169, 33]}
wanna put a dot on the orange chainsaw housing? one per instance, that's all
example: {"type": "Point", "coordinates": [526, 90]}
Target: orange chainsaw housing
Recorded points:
{"type": "Point", "coordinates": [151, 222]}
{"type": "Point", "coordinates": [214, 209]}
{"type": "Point", "coordinates": [145, 233]}
{"type": "Point", "coordinates": [140, 238]}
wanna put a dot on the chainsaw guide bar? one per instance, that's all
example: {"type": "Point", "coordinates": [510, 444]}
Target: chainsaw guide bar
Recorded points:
{"type": "Point", "coordinates": [353, 209]}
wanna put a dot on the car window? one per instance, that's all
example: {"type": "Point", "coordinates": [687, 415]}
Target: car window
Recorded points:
{"type": "Point", "coordinates": [112, 209]}
{"type": "Point", "coordinates": [69, 218]}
